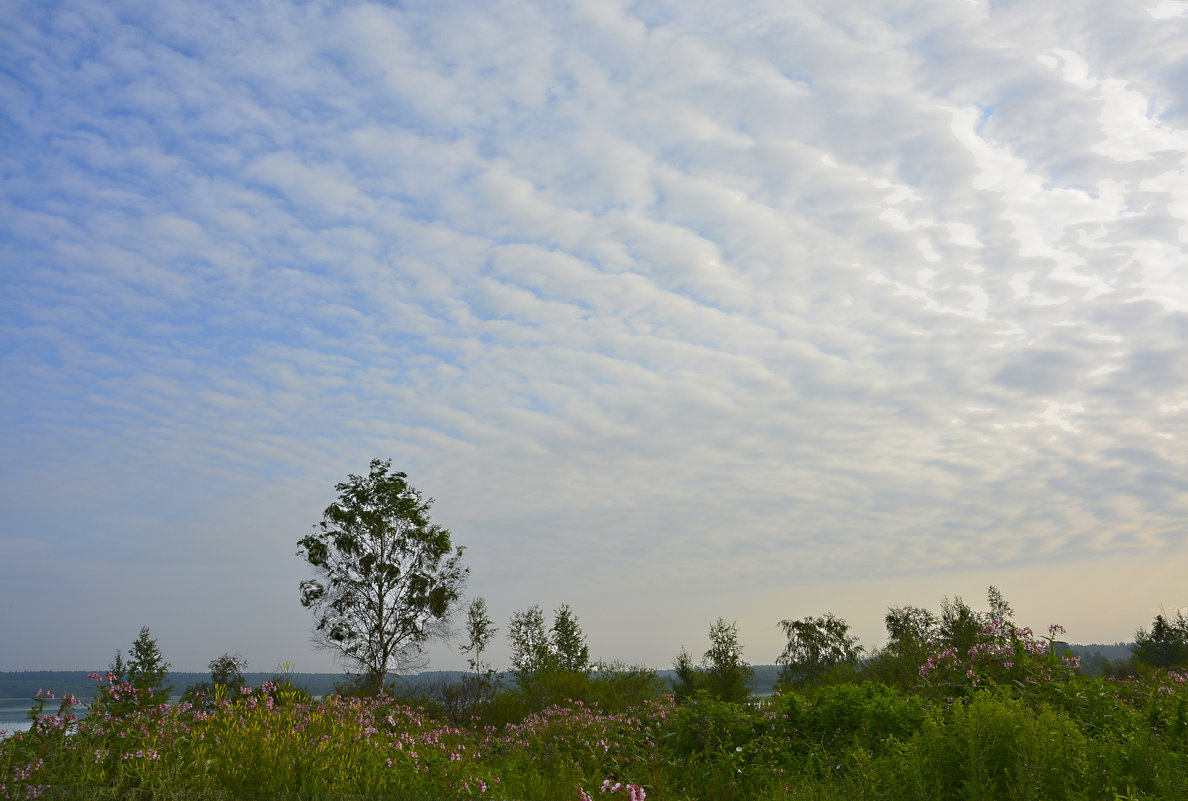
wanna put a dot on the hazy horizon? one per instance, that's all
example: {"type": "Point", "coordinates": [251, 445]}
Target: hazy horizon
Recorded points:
{"type": "Point", "coordinates": [679, 311]}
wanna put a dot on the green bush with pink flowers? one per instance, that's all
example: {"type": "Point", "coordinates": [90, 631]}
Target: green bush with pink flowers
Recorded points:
{"type": "Point", "coordinates": [1008, 718]}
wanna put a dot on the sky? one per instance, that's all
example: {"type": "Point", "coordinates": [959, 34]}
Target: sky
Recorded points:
{"type": "Point", "coordinates": [678, 310]}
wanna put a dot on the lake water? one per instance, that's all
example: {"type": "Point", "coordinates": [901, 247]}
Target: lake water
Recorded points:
{"type": "Point", "coordinates": [14, 715]}
{"type": "Point", "coordinates": [11, 727]}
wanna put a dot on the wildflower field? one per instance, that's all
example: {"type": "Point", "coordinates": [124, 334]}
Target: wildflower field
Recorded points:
{"type": "Point", "coordinates": [983, 726]}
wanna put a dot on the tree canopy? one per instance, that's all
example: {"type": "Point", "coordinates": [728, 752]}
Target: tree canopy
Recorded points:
{"type": "Point", "coordinates": [1165, 645]}
{"type": "Point", "coordinates": [727, 674]}
{"type": "Point", "coordinates": [146, 668]}
{"type": "Point", "coordinates": [562, 648]}
{"type": "Point", "coordinates": [387, 578]}
{"type": "Point", "coordinates": [479, 631]}
{"type": "Point", "coordinates": [816, 645]}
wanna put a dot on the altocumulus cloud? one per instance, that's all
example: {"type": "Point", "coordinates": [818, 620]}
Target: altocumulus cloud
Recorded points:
{"type": "Point", "coordinates": [666, 303]}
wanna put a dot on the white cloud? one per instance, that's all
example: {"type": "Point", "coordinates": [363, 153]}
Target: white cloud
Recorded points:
{"type": "Point", "coordinates": [1167, 9]}
{"type": "Point", "coordinates": [728, 296]}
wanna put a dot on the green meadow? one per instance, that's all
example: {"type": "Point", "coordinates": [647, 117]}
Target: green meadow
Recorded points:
{"type": "Point", "coordinates": [1008, 718]}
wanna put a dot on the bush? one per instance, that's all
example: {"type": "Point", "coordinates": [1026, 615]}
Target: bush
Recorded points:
{"type": "Point", "coordinates": [1004, 656]}
{"type": "Point", "coordinates": [1089, 740]}
{"type": "Point", "coordinates": [706, 725]}
{"type": "Point", "coordinates": [864, 716]}
{"type": "Point", "coordinates": [617, 687]}
{"type": "Point", "coordinates": [612, 687]}
{"type": "Point", "coordinates": [993, 748]}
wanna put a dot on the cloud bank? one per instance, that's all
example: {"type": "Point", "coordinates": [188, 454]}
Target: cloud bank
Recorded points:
{"type": "Point", "coordinates": [672, 306]}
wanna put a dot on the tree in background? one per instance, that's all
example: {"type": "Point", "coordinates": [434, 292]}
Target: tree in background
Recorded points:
{"type": "Point", "coordinates": [816, 647]}
{"type": "Point", "coordinates": [531, 652]}
{"type": "Point", "coordinates": [727, 676]}
{"type": "Point", "coordinates": [479, 631]}
{"type": "Point", "coordinates": [913, 634]}
{"type": "Point", "coordinates": [388, 578]}
{"type": "Point", "coordinates": [960, 626]}
{"type": "Point", "coordinates": [226, 679]}
{"type": "Point", "coordinates": [136, 683]}
{"type": "Point", "coordinates": [117, 668]}
{"type": "Point", "coordinates": [1165, 645]}
{"type": "Point", "coordinates": [562, 649]}
{"type": "Point", "coordinates": [461, 700]}
{"type": "Point", "coordinates": [227, 671]}
{"type": "Point", "coordinates": [550, 665]}
{"type": "Point", "coordinates": [146, 669]}
{"type": "Point", "coordinates": [568, 642]}
{"type": "Point", "coordinates": [1000, 610]}
{"type": "Point", "coordinates": [687, 676]}
{"type": "Point", "coordinates": [911, 630]}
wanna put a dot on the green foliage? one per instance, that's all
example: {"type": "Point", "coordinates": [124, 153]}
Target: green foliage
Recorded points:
{"type": "Point", "coordinates": [479, 631]}
{"type": "Point", "coordinates": [817, 647]}
{"type": "Point", "coordinates": [1005, 655]}
{"type": "Point", "coordinates": [568, 642]}
{"type": "Point", "coordinates": [1165, 645]}
{"type": "Point", "coordinates": [1007, 719]}
{"type": "Point", "coordinates": [227, 683]}
{"type": "Point", "coordinates": [283, 689]}
{"type": "Point", "coordinates": [911, 629]}
{"type": "Point", "coordinates": [687, 676]}
{"type": "Point", "coordinates": [117, 668]}
{"type": "Point", "coordinates": [608, 686]}
{"type": "Point", "coordinates": [913, 634]}
{"type": "Point", "coordinates": [619, 687]}
{"type": "Point", "coordinates": [960, 625]}
{"type": "Point", "coordinates": [1095, 740]}
{"type": "Point", "coordinates": [226, 672]}
{"type": "Point", "coordinates": [531, 651]}
{"type": "Point", "coordinates": [388, 578]}
{"type": "Point", "coordinates": [612, 687]}
{"type": "Point", "coordinates": [725, 675]}
{"type": "Point", "coordinates": [716, 746]}
{"type": "Point", "coordinates": [999, 608]}
{"type": "Point", "coordinates": [1096, 705]}
{"type": "Point", "coordinates": [994, 748]}
{"type": "Point", "coordinates": [868, 715]}
{"type": "Point", "coordinates": [464, 699]}
{"type": "Point", "coordinates": [549, 666]}
{"type": "Point", "coordinates": [146, 669]}
{"type": "Point", "coordinates": [705, 724]}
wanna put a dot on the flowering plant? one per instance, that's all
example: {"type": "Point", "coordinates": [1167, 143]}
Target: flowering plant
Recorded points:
{"type": "Point", "coordinates": [63, 721]}
{"type": "Point", "coordinates": [1004, 654]}
{"type": "Point", "coordinates": [633, 791]}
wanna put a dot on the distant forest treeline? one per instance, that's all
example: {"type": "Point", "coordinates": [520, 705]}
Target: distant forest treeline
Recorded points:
{"type": "Point", "coordinates": [1096, 658]}
{"type": "Point", "coordinates": [26, 683]}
